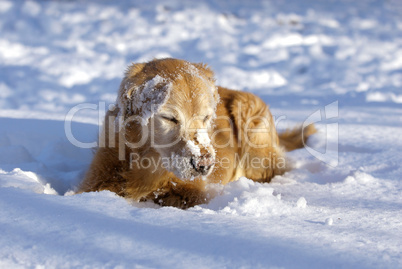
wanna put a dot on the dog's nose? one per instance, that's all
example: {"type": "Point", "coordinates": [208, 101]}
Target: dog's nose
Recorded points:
{"type": "Point", "coordinates": [203, 164]}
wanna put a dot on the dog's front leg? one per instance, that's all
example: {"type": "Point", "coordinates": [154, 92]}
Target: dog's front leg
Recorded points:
{"type": "Point", "coordinates": [182, 194]}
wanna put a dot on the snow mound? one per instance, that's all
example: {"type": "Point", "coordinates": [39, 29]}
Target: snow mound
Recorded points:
{"type": "Point", "coordinates": [245, 197]}
{"type": "Point", "coordinates": [24, 180]}
{"type": "Point", "coordinates": [359, 177]}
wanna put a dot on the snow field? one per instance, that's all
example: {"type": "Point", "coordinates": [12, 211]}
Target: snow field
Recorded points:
{"type": "Point", "coordinates": [298, 57]}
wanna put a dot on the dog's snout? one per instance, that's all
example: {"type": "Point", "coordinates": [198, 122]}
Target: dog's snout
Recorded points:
{"type": "Point", "coordinates": [203, 164]}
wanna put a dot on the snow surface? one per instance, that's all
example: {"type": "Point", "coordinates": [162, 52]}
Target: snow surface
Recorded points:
{"type": "Point", "coordinates": [339, 62]}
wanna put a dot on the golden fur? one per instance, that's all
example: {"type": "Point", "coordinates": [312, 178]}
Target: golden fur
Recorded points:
{"type": "Point", "coordinates": [170, 111]}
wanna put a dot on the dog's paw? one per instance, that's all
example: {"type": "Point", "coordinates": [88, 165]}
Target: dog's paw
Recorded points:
{"type": "Point", "coordinates": [180, 196]}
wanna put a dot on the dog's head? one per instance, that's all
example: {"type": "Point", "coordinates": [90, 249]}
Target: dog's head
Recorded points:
{"type": "Point", "coordinates": [176, 102]}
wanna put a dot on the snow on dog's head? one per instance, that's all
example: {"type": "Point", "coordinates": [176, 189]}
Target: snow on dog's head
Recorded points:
{"type": "Point", "coordinates": [176, 102]}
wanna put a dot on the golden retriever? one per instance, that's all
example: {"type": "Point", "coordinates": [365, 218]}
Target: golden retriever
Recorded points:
{"type": "Point", "coordinates": [172, 132]}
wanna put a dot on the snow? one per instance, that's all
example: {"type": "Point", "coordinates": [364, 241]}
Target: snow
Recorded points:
{"type": "Point", "coordinates": [202, 137]}
{"type": "Point", "coordinates": [329, 221]}
{"type": "Point", "coordinates": [336, 63]}
{"type": "Point", "coordinates": [194, 149]}
{"type": "Point", "coordinates": [148, 100]}
{"type": "Point", "coordinates": [301, 203]}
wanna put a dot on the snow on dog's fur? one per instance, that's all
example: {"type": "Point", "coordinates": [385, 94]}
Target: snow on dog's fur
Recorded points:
{"type": "Point", "coordinates": [173, 132]}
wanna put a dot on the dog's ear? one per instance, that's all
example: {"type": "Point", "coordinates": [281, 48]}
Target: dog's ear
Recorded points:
{"type": "Point", "coordinates": [147, 98]}
{"type": "Point", "coordinates": [206, 71]}
{"type": "Point", "coordinates": [140, 94]}
{"type": "Point", "coordinates": [127, 84]}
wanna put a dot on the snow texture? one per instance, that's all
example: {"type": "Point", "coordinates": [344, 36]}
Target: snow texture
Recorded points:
{"type": "Point", "coordinates": [194, 149]}
{"type": "Point", "coordinates": [148, 99]}
{"type": "Point", "coordinates": [203, 138]}
{"type": "Point", "coordinates": [336, 63]}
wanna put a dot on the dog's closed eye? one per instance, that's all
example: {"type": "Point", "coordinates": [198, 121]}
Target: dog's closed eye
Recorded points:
{"type": "Point", "coordinates": [207, 118]}
{"type": "Point", "coordinates": [171, 119]}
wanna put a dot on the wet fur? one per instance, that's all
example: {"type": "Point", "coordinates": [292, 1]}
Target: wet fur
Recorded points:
{"type": "Point", "coordinates": [189, 94]}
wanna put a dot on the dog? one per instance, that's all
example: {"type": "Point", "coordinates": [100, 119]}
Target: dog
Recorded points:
{"type": "Point", "coordinates": [173, 133]}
